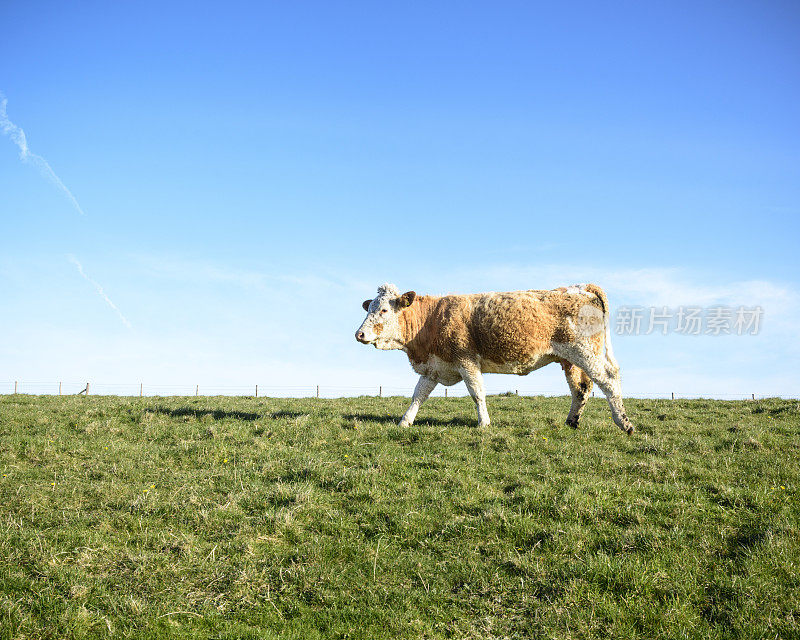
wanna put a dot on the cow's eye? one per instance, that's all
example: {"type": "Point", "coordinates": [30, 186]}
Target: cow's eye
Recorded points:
{"type": "Point", "coordinates": [383, 310]}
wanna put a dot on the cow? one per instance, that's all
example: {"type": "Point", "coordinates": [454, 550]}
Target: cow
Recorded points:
{"type": "Point", "coordinates": [460, 337]}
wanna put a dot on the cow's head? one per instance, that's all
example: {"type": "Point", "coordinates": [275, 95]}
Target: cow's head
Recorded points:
{"type": "Point", "coordinates": [381, 328]}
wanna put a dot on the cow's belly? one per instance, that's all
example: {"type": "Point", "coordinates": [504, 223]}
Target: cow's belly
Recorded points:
{"type": "Point", "coordinates": [437, 369]}
{"type": "Point", "coordinates": [519, 368]}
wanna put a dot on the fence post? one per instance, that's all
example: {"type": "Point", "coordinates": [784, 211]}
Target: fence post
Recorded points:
{"type": "Point", "coordinates": [445, 392]}
{"type": "Point", "coordinates": [754, 396]}
{"type": "Point", "coordinates": [59, 388]}
{"type": "Point", "coordinates": [380, 391]}
{"type": "Point", "coordinates": [15, 387]}
{"type": "Point", "coordinates": [197, 390]}
{"type": "Point", "coordinates": [317, 391]}
{"type": "Point", "coordinates": [673, 395]}
{"type": "Point", "coordinates": [87, 388]}
{"type": "Point", "coordinates": [141, 389]}
{"type": "Point", "coordinates": [256, 391]}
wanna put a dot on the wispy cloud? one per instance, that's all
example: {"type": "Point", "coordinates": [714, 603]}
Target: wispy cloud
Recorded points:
{"type": "Point", "coordinates": [176, 268]}
{"type": "Point", "coordinates": [100, 290]}
{"type": "Point", "coordinates": [653, 286]}
{"type": "Point", "coordinates": [17, 136]}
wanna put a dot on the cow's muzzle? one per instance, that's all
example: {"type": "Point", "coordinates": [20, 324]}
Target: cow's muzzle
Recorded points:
{"type": "Point", "coordinates": [361, 337]}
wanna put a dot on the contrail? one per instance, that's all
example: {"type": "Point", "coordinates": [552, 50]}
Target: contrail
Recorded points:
{"type": "Point", "coordinates": [17, 136]}
{"type": "Point", "coordinates": [102, 293]}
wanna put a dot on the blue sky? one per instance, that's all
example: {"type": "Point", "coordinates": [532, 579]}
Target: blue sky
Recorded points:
{"type": "Point", "coordinates": [250, 172]}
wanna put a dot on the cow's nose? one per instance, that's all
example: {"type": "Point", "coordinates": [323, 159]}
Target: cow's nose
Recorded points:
{"type": "Point", "coordinates": [360, 336]}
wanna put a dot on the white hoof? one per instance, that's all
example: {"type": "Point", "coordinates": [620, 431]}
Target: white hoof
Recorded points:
{"type": "Point", "coordinates": [404, 423]}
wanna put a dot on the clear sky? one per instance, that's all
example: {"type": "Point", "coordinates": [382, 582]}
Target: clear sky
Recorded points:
{"type": "Point", "coordinates": [209, 190]}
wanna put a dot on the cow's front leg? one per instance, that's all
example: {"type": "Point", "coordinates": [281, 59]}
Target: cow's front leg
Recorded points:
{"type": "Point", "coordinates": [421, 393]}
{"type": "Point", "coordinates": [474, 380]}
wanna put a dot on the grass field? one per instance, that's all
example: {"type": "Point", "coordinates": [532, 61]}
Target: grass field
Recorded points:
{"type": "Point", "coordinates": [227, 517]}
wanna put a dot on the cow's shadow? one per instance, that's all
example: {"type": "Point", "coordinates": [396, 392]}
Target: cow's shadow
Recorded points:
{"type": "Point", "coordinates": [286, 414]}
{"type": "Point", "coordinates": [216, 414]}
{"type": "Point", "coordinates": [393, 420]}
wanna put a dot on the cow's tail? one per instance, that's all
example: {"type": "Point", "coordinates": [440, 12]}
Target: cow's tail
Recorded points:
{"type": "Point", "coordinates": [601, 295]}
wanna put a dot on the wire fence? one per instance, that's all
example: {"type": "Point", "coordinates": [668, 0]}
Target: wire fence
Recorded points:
{"type": "Point", "coordinates": [141, 389]}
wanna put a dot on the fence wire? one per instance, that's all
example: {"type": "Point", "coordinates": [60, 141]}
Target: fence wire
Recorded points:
{"type": "Point", "coordinates": [312, 391]}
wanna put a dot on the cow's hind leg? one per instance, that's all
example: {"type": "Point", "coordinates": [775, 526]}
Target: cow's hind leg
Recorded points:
{"type": "Point", "coordinates": [580, 385]}
{"type": "Point", "coordinates": [602, 373]}
{"type": "Point", "coordinates": [473, 378]}
{"type": "Point", "coordinates": [421, 393]}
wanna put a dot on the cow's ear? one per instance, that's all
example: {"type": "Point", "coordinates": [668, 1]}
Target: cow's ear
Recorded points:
{"type": "Point", "coordinates": [406, 299]}
{"type": "Point", "coordinates": [366, 304]}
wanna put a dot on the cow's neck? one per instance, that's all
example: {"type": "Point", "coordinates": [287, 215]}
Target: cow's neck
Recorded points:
{"type": "Point", "coordinates": [414, 318]}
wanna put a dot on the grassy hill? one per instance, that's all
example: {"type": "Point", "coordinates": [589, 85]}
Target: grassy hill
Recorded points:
{"type": "Point", "coordinates": [285, 518]}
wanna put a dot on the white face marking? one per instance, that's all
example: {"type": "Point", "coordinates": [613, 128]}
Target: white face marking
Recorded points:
{"type": "Point", "coordinates": [381, 327]}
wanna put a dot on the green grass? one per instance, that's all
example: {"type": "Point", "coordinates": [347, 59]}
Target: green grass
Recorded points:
{"type": "Point", "coordinates": [283, 518]}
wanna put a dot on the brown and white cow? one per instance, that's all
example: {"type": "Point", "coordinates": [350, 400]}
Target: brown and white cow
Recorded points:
{"type": "Point", "coordinates": [459, 337]}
